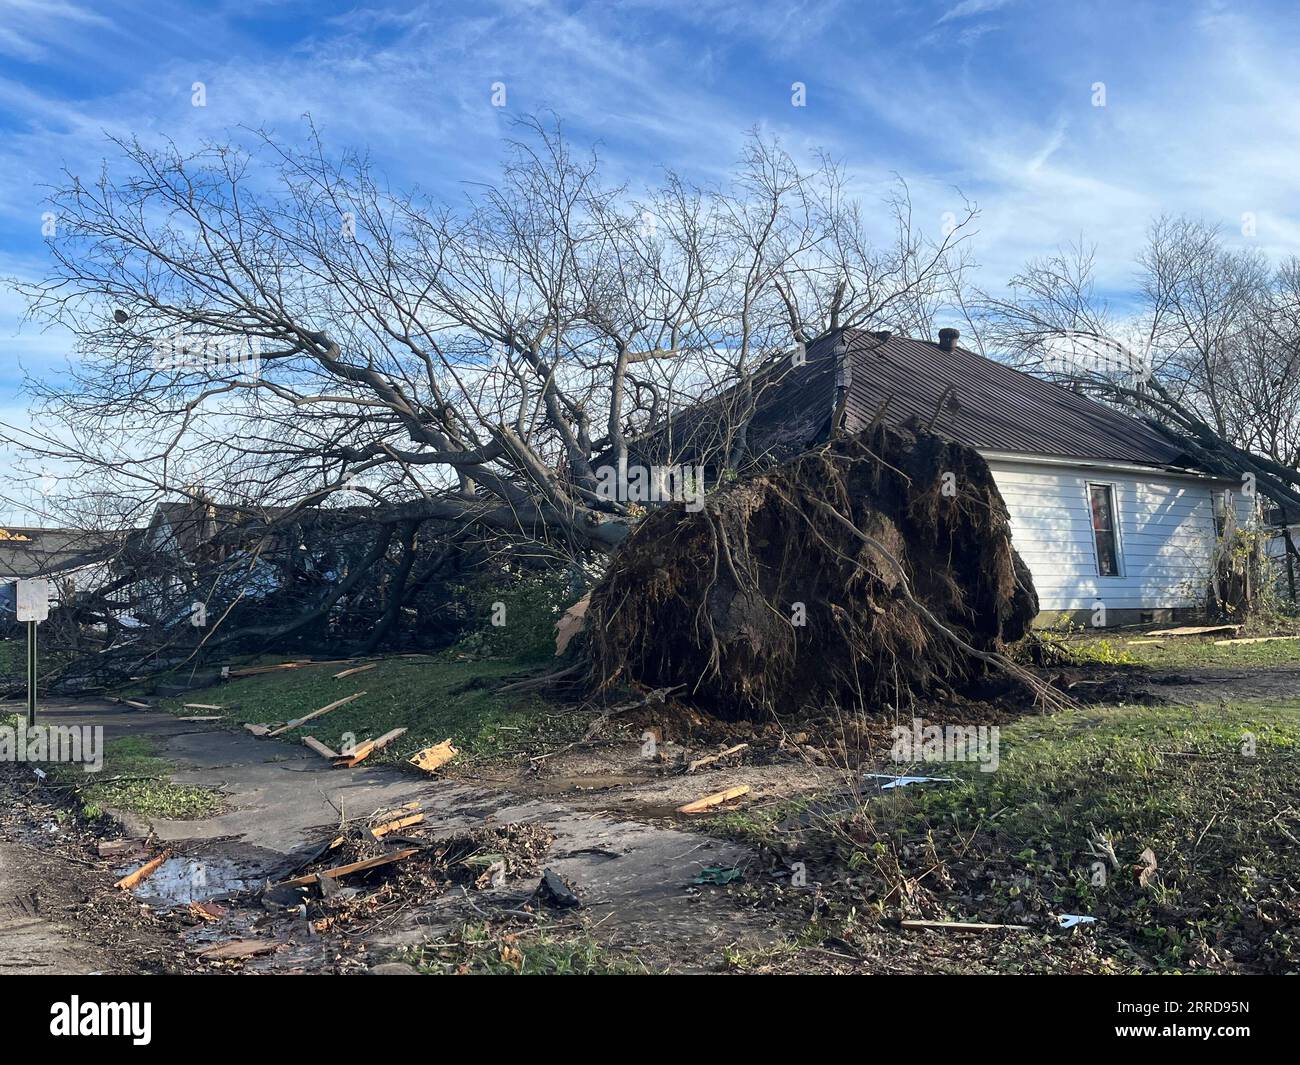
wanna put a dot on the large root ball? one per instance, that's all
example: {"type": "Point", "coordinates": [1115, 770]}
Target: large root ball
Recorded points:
{"type": "Point", "coordinates": [768, 600]}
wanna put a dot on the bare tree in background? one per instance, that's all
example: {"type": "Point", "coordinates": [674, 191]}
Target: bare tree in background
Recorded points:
{"type": "Point", "coordinates": [1210, 355]}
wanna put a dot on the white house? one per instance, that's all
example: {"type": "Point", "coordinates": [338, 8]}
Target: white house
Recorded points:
{"type": "Point", "coordinates": [1104, 509]}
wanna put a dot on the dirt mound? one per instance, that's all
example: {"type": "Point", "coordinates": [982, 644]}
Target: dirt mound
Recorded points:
{"type": "Point", "coordinates": [871, 569]}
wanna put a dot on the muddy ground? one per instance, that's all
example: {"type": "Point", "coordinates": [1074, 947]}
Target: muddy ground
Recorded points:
{"type": "Point", "coordinates": [602, 815]}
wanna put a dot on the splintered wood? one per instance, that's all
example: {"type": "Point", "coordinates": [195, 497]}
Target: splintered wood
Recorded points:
{"type": "Point", "coordinates": [699, 806]}
{"type": "Point", "coordinates": [314, 714]}
{"type": "Point", "coordinates": [358, 754]}
{"type": "Point", "coordinates": [143, 873]}
{"type": "Point", "coordinates": [434, 758]}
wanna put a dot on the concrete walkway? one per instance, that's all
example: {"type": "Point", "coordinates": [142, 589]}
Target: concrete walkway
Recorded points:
{"type": "Point", "coordinates": [283, 800]}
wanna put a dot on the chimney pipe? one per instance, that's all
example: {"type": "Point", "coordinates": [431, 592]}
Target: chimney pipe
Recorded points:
{"type": "Point", "coordinates": [947, 338]}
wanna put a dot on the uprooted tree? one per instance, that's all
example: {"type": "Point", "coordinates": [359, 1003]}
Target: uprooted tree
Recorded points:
{"type": "Point", "coordinates": [845, 577]}
{"type": "Point", "coordinates": [272, 327]}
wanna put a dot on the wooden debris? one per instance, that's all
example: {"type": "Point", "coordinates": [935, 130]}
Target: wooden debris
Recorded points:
{"type": "Point", "coordinates": [144, 872]}
{"type": "Point", "coordinates": [320, 748]}
{"type": "Point", "coordinates": [1142, 643]}
{"type": "Point", "coordinates": [573, 622]}
{"type": "Point", "coordinates": [359, 754]}
{"type": "Point", "coordinates": [238, 950]}
{"type": "Point", "coordinates": [700, 763]}
{"type": "Point", "coordinates": [1197, 630]}
{"type": "Point", "coordinates": [135, 704]}
{"type": "Point", "coordinates": [315, 714]}
{"type": "Point", "coordinates": [198, 720]}
{"type": "Point", "coordinates": [963, 926]}
{"type": "Point", "coordinates": [122, 848]}
{"type": "Point", "coordinates": [350, 868]}
{"type": "Point", "coordinates": [207, 911]}
{"type": "Point", "coordinates": [434, 758]}
{"type": "Point", "coordinates": [258, 730]}
{"type": "Point", "coordinates": [253, 671]}
{"type": "Point", "coordinates": [1253, 639]}
{"type": "Point", "coordinates": [380, 831]}
{"type": "Point", "coordinates": [354, 670]}
{"type": "Point", "coordinates": [201, 706]}
{"type": "Point", "coordinates": [716, 799]}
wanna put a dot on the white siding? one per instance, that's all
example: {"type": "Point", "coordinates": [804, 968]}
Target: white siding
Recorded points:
{"type": "Point", "coordinates": [1166, 535]}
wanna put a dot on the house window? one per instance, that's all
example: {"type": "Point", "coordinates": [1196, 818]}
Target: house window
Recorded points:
{"type": "Point", "coordinates": [1101, 499]}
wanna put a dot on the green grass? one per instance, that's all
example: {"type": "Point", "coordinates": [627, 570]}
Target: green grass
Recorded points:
{"type": "Point", "coordinates": [135, 779]}
{"type": "Point", "coordinates": [1182, 652]}
{"type": "Point", "coordinates": [1024, 842]}
{"type": "Point", "coordinates": [479, 949]}
{"type": "Point", "coordinates": [436, 697]}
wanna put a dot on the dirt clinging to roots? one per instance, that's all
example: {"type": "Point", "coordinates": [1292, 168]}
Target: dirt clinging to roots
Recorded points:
{"type": "Point", "coordinates": [713, 600]}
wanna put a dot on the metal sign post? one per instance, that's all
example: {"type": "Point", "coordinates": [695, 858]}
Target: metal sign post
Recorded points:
{"type": "Point", "coordinates": [33, 606]}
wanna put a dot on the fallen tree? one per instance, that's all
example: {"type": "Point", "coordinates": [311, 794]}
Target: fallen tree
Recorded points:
{"type": "Point", "coordinates": [869, 570]}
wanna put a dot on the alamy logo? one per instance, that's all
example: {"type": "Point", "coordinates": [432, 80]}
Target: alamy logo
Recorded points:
{"type": "Point", "coordinates": [54, 743]}
{"type": "Point", "coordinates": [652, 484]}
{"type": "Point", "coordinates": [947, 743]}
{"type": "Point", "coordinates": [134, 1019]}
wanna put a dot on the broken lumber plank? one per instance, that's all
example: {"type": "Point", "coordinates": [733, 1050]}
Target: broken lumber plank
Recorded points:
{"type": "Point", "coordinates": [380, 831]}
{"type": "Point", "coordinates": [320, 748]}
{"type": "Point", "coordinates": [201, 706]}
{"type": "Point", "coordinates": [700, 763]}
{"type": "Point", "coordinates": [1196, 630]}
{"type": "Point", "coordinates": [1253, 639]}
{"type": "Point", "coordinates": [716, 799]}
{"type": "Point", "coordinates": [315, 714]}
{"type": "Point", "coordinates": [433, 758]}
{"type": "Point", "coordinates": [359, 754]}
{"type": "Point", "coordinates": [238, 950]}
{"type": "Point", "coordinates": [963, 926]}
{"type": "Point", "coordinates": [257, 730]}
{"type": "Point", "coordinates": [352, 867]}
{"type": "Point", "coordinates": [135, 704]}
{"type": "Point", "coordinates": [253, 671]}
{"type": "Point", "coordinates": [144, 872]}
{"type": "Point", "coordinates": [355, 670]}
{"type": "Point", "coordinates": [216, 717]}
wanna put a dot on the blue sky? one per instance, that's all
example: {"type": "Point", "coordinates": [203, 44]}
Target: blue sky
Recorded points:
{"type": "Point", "coordinates": [1202, 109]}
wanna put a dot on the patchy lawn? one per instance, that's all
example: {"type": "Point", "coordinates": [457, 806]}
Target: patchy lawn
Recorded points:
{"type": "Point", "coordinates": [1185, 652]}
{"type": "Point", "coordinates": [1062, 827]}
{"type": "Point", "coordinates": [436, 697]}
{"type": "Point", "coordinates": [135, 779]}
{"type": "Point", "coordinates": [484, 949]}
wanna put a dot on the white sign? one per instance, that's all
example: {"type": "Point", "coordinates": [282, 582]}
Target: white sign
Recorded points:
{"type": "Point", "coordinates": [33, 599]}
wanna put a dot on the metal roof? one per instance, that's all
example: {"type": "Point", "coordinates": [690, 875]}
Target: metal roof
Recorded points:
{"type": "Point", "coordinates": [974, 400]}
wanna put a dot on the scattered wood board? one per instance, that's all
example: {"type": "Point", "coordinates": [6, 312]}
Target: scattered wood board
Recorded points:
{"type": "Point", "coordinates": [315, 714]}
{"type": "Point", "coordinates": [253, 671]}
{"type": "Point", "coordinates": [143, 873]}
{"type": "Point", "coordinates": [122, 848]}
{"type": "Point", "coordinates": [1196, 630]}
{"type": "Point", "coordinates": [963, 926]}
{"type": "Point", "coordinates": [434, 758]}
{"type": "Point", "coordinates": [1145, 643]}
{"type": "Point", "coordinates": [1253, 639]}
{"type": "Point", "coordinates": [700, 763]}
{"type": "Point", "coordinates": [350, 868]}
{"type": "Point", "coordinates": [192, 720]}
{"type": "Point", "coordinates": [360, 754]}
{"type": "Point", "coordinates": [135, 704]}
{"type": "Point", "coordinates": [238, 950]}
{"type": "Point", "coordinates": [380, 831]}
{"type": "Point", "coordinates": [201, 706]}
{"type": "Point", "coordinates": [355, 670]}
{"type": "Point", "coordinates": [257, 730]}
{"type": "Point", "coordinates": [320, 748]}
{"type": "Point", "coordinates": [716, 799]}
